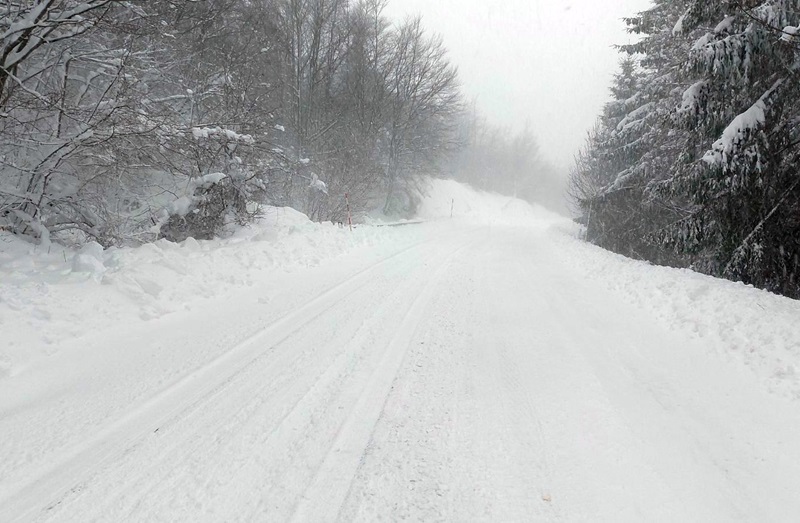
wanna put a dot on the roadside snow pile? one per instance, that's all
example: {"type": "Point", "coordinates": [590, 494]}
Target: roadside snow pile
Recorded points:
{"type": "Point", "coordinates": [755, 327]}
{"type": "Point", "coordinates": [51, 294]}
{"type": "Point", "coordinates": [478, 207]}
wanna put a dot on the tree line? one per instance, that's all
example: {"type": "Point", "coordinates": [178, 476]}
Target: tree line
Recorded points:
{"type": "Point", "coordinates": [695, 162]}
{"type": "Point", "coordinates": [504, 161]}
{"type": "Point", "coordinates": [127, 121]}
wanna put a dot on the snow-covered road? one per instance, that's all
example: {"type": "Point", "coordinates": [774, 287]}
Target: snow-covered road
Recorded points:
{"type": "Point", "coordinates": [473, 374]}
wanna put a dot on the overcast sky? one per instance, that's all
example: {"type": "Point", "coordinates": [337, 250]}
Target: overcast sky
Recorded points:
{"type": "Point", "coordinates": [548, 62]}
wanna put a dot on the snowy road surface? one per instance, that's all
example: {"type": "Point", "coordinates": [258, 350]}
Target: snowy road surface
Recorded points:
{"type": "Point", "coordinates": [474, 374]}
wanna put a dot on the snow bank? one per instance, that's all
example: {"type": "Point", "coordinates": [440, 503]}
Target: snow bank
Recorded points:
{"type": "Point", "coordinates": [473, 206]}
{"type": "Point", "coordinates": [51, 295]}
{"type": "Point", "coordinates": [735, 321]}
{"type": "Point", "coordinates": [756, 328]}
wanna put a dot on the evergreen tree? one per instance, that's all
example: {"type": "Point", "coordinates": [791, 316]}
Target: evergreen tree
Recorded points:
{"type": "Point", "coordinates": [700, 163]}
{"type": "Point", "coordinates": [742, 111]}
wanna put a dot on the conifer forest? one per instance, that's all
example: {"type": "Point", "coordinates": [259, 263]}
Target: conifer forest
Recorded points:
{"type": "Point", "coordinates": [695, 162]}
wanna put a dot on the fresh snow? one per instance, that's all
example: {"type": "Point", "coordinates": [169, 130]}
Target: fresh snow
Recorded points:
{"type": "Point", "coordinates": [692, 97]}
{"type": "Point", "coordinates": [725, 26]}
{"type": "Point", "coordinates": [789, 33]}
{"type": "Point", "coordinates": [740, 129]}
{"type": "Point", "coordinates": [485, 367]}
{"type": "Point", "coordinates": [317, 184]}
{"type": "Point", "coordinates": [208, 132]}
{"type": "Point", "coordinates": [184, 204]}
{"type": "Point", "coordinates": [677, 29]}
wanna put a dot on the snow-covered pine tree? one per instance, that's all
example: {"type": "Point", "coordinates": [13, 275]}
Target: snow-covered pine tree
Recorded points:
{"type": "Point", "coordinates": [609, 211]}
{"type": "Point", "coordinates": [634, 146]}
{"type": "Point", "coordinates": [712, 143]}
{"type": "Point", "coordinates": [742, 112]}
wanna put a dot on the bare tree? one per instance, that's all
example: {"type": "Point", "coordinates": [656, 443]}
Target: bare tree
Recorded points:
{"type": "Point", "coordinates": [423, 102]}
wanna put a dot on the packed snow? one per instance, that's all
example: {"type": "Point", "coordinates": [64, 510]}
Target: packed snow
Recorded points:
{"type": "Point", "coordinates": [478, 363]}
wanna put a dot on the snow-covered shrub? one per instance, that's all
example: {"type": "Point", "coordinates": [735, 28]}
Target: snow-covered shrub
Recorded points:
{"type": "Point", "coordinates": [216, 202]}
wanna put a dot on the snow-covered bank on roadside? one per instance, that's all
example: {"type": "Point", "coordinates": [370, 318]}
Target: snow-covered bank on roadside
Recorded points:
{"type": "Point", "coordinates": [735, 321]}
{"type": "Point", "coordinates": [48, 297]}
{"type": "Point", "coordinates": [51, 296]}
{"type": "Point", "coordinates": [755, 328]}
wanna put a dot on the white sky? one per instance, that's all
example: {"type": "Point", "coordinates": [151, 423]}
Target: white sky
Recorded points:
{"type": "Point", "coordinates": [547, 62]}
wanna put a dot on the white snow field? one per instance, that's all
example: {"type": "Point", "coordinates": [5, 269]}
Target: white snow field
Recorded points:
{"type": "Point", "coordinates": [489, 367]}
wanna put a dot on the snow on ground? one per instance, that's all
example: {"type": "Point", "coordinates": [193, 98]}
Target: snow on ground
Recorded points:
{"type": "Point", "coordinates": [491, 366]}
{"type": "Point", "coordinates": [477, 207]}
{"type": "Point", "coordinates": [734, 321]}
{"type": "Point", "coordinates": [49, 297]}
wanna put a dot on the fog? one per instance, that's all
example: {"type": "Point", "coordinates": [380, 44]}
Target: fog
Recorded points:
{"type": "Point", "coordinates": [545, 63]}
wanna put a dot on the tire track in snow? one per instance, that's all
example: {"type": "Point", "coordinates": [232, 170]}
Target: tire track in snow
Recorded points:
{"type": "Point", "coordinates": [265, 415]}
{"type": "Point", "coordinates": [323, 498]}
{"type": "Point", "coordinates": [52, 483]}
